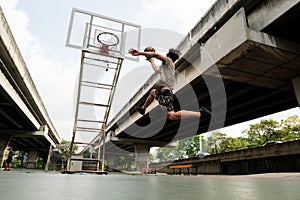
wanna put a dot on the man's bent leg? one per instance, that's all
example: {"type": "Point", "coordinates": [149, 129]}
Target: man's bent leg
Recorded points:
{"type": "Point", "coordinates": [182, 114]}
{"type": "Point", "coordinates": [149, 99]}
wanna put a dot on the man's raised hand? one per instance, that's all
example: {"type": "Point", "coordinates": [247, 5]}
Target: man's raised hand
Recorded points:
{"type": "Point", "coordinates": [133, 52]}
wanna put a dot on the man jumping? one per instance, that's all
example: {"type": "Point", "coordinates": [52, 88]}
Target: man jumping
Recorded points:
{"type": "Point", "coordinates": [163, 88]}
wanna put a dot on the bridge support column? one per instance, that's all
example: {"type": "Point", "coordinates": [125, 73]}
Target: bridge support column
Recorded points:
{"type": "Point", "coordinates": [32, 159]}
{"type": "Point", "coordinates": [4, 141]}
{"type": "Point", "coordinates": [48, 158]}
{"type": "Point", "coordinates": [141, 152]}
{"type": "Point", "coordinates": [110, 162]}
{"type": "Point", "coordinates": [296, 86]}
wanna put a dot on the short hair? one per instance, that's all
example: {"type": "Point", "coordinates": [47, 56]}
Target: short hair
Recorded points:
{"type": "Point", "coordinates": [149, 49]}
{"type": "Point", "coordinates": [173, 54]}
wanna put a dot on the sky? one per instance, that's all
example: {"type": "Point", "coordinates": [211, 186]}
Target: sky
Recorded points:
{"type": "Point", "coordinates": [40, 30]}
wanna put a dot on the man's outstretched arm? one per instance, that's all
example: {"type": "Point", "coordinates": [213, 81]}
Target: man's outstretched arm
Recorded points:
{"type": "Point", "coordinates": [148, 54]}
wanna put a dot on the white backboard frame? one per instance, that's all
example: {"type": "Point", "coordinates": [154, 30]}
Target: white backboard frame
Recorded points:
{"type": "Point", "coordinates": [84, 27]}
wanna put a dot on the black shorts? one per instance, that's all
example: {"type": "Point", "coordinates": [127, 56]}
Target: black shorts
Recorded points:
{"type": "Point", "coordinates": [165, 98]}
{"type": "Point", "coordinates": [8, 160]}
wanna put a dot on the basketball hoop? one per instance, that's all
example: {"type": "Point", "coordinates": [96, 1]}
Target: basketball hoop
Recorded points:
{"type": "Point", "coordinates": [104, 49]}
{"type": "Point", "coordinates": [107, 41]}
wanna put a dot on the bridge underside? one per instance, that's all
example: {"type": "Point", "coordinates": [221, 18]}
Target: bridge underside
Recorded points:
{"type": "Point", "coordinates": [256, 68]}
{"type": "Point", "coordinates": [249, 96]}
{"type": "Point", "coordinates": [24, 124]}
{"type": "Point", "coordinates": [14, 122]}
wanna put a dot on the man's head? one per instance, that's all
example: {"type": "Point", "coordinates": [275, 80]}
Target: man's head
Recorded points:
{"type": "Point", "coordinates": [173, 54]}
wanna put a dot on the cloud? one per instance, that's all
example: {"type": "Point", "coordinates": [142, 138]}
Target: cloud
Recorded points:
{"type": "Point", "coordinates": [175, 15]}
{"type": "Point", "coordinates": [18, 23]}
{"type": "Point", "coordinates": [54, 80]}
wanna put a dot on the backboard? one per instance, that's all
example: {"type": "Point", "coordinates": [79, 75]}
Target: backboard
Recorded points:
{"type": "Point", "coordinates": [87, 30]}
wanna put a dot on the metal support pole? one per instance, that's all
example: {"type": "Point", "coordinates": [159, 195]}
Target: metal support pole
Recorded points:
{"type": "Point", "coordinates": [103, 152]}
{"type": "Point", "coordinates": [76, 114]}
{"type": "Point", "coordinates": [99, 153]}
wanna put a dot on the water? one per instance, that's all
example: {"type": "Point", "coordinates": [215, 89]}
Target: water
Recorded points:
{"type": "Point", "coordinates": [55, 186]}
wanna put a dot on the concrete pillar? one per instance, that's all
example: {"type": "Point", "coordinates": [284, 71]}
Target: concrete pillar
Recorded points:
{"type": "Point", "coordinates": [296, 86]}
{"type": "Point", "coordinates": [111, 165]}
{"type": "Point", "coordinates": [32, 159]}
{"type": "Point", "coordinates": [141, 152]}
{"type": "Point", "coordinates": [48, 158]}
{"type": "Point", "coordinates": [4, 141]}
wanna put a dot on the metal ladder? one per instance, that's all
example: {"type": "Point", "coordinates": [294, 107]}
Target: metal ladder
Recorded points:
{"type": "Point", "coordinates": [92, 66]}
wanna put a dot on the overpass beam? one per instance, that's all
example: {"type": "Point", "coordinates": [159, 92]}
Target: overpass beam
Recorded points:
{"type": "Point", "coordinates": [141, 152]}
{"type": "Point", "coordinates": [296, 86]}
{"type": "Point", "coordinates": [4, 141]}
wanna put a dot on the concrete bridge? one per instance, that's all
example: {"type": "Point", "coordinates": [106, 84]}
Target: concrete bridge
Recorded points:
{"type": "Point", "coordinates": [241, 60]}
{"type": "Point", "coordinates": [24, 122]}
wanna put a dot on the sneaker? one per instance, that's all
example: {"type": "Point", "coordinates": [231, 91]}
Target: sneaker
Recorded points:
{"type": "Point", "coordinates": [205, 113]}
{"type": "Point", "coordinates": [140, 110]}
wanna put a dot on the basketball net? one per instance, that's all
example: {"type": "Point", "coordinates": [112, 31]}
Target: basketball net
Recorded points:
{"type": "Point", "coordinates": [104, 49]}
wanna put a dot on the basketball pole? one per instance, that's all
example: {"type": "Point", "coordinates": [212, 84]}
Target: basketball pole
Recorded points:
{"type": "Point", "coordinates": [100, 42]}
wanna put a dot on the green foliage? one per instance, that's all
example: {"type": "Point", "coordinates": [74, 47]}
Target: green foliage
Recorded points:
{"type": "Point", "coordinates": [185, 148]}
{"type": "Point", "coordinates": [270, 130]}
{"type": "Point", "coordinates": [86, 154]}
{"type": "Point", "coordinates": [17, 159]}
{"type": "Point", "coordinates": [215, 140]}
{"type": "Point", "coordinates": [125, 162]}
{"type": "Point", "coordinates": [218, 142]}
{"type": "Point", "coordinates": [165, 154]}
{"type": "Point", "coordinates": [264, 131]}
{"type": "Point", "coordinates": [64, 149]}
{"type": "Point", "coordinates": [151, 157]}
{"type": "Point", "coordinates": [231, 144]}
{"type": "Point", "coordinates": [290, 128]}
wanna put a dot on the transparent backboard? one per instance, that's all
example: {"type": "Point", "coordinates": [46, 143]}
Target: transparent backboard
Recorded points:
{"type": "Point", "coordinates": [87, 29]}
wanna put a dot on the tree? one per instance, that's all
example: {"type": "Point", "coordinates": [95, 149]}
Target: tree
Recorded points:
{"type": "Point", "coordinates": [64, 149]}
{"type": "Point", "coordinates": [151, 157]}
{"type": "Point", "coordinates": [193, 148]}
{"type": "Point", "coordinates": [231, 144]}
{"type": "Point", "coordinates": [270, 130]}
{"type": "Point", "coordinates": [218, 142]}
{"type": "Point", "coordinates": [125, 162]}
{"type": "Point", "coordinates": [87, 154]}
{"type": "Point", "coordinates": [214, 141]}
{"type": "Point", "coordinates": [290, 128]}
{"type": "Point", "coordinates": [165, 154]}
{"type": "Point", "coordinates": [185, 148]}
{"type": "Point", "coordinates": [263, 132]}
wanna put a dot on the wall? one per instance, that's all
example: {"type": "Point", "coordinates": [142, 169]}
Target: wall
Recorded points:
{"type": "Point", "coordinates": [283, 157]}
